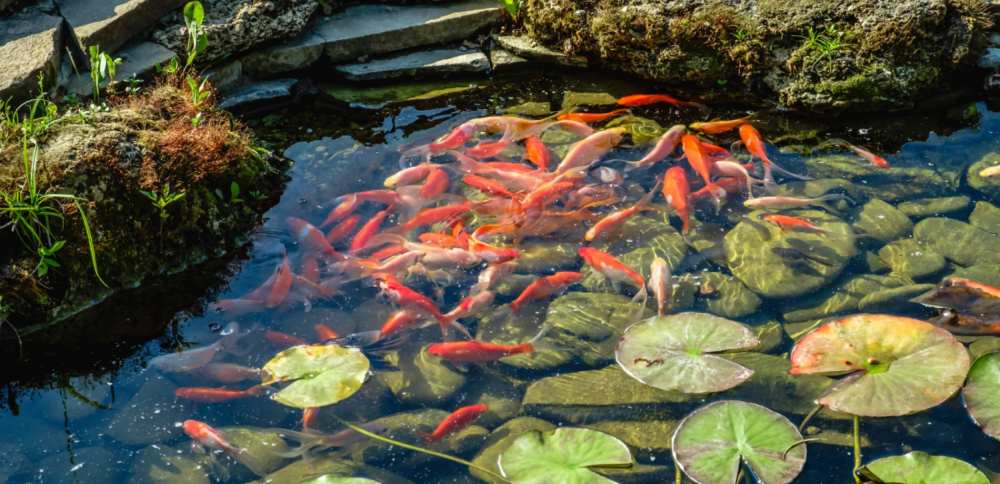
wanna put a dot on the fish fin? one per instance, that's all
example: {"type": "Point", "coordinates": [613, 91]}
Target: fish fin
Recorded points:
{"type": "Point", "coordinates": [640, 297]}
{"type": "Point", "coordinates": [776, 167]}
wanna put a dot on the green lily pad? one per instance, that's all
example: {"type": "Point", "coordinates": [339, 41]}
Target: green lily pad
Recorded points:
{"type": "Point", "coordinates": [332, 479]}
{"type": "Point", "coordinates": [673, 352]}
{"type": "Point", "coordinates": [321, 375]}
{"type": "Point", "coordinates": [981, 391]}
{"type": "Point", "coordinates": [564, 455]}
{"type": "Point", "coordinates": [710, 444]}
{"type": "Point", "coordinates": [896, 365]}
{"type": "Point", "coordinates": [923, 468]}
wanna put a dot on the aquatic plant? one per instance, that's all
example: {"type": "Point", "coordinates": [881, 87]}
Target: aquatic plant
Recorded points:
{"type": "Point", "coordinates": [712, 444]}
{"type": "Point", "coordinates": [922, 468]}
{"type": "Point", "coordinates": [563, 455]}
{"type": "Point", "coordinates": [162, 199]}
{"type": "Point", "coordinates": [197, 39]}
{"type": "Point", "coordinates": [512, 6]}
{"type": "Point", "coordinates": [102, 68]}
{"type": "Point", "coordinates": [980, 393]}
{"type": "Point", "coordinates": [199, 92]}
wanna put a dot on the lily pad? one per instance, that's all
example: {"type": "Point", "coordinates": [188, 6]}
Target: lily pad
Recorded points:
{"type": "Point", "coordinates": [710, 444]}
{"type": "Point", "coordinates": [923, 468]}
{"type": "Point", "coordinates": [332, 479]}
{"type": "Point", "coordinates": [563, 455]}
{"type": "Point", "coordinates": [673, 352]}
{"type": "Point", "coordinates": [980, 393]}
{"type": "Point", "coordinates": [896, 365]}
{"type": "Point", "coordinates": [321, 375]}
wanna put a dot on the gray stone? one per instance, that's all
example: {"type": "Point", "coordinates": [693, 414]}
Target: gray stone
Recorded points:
{"type": "Point", "coordinates": [151, 415]}
{"type": "Point", "coordinates": [989, 186]}
{"type": "Point", "coordinates": [958, 241]}
{"type": "Point", "coordinates": [380, 29]}
{"type": "Point", "coordinates": [259, 93]}
{"type": "Point", "coordinates": [89, 464]}
{"type": "Point", "coordinates": [226, 76]}
{"type": "Point", "coordinates": [503, 61]}
{"type": "Point", "coordinates": [111, 23]}
{"type": "Point", "coordinates": [929, 207]}
{"type": "Point", "coordinates": [139, 60]}
{"type": "Point", "coordinates": [431, 63]}
{"type": "Point", "coordinates": [526, 47]}
{"type": "Point", "coordinates": [234, 26]}
{"type": "Point", "coordinates": [295, 54]}
{"type": "Point", "coordinates": [882, 221]}
{"type": "Point", "coordinates": [162, 464]}
{"type": "Point", "coordinates": [30, 45]}
{"type": "Point", "coordinates": [986, 216]}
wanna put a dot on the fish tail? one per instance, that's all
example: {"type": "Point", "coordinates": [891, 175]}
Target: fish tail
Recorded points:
{"type": "Point", "coordinates": [640, 297]}
{"type": "Point", "coordinates": [423, 151]}
{"type": "Point", "coordinates": [787, 173]}
{"type": "Point", "coordinates": [538, 336]}
{"type": "Point", "coordinates": [388, 237]}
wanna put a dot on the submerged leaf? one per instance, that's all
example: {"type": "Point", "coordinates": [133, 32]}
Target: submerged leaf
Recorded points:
{"type": "Point", "coordinates": [981, 393]}
{"type": "Point", "coordinates": [923, 468]}
{"type": "Point", "coordinates": [897, 365]}
{"type": "Point", "coordinates": [321, 375]}
{"type": "Point", "coordinates": [562, 455]}
{"type": "Point", "coordinates": [711, 442]}
{"type": "Point", "coordinates": [671, 353]}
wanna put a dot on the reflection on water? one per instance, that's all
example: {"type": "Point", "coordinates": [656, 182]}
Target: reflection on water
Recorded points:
{"type": "Point", "coordinates": [96, 411]}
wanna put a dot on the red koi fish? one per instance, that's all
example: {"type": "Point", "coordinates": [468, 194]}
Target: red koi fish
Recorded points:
{"type": "Point", "coordinates": [613, 221]}
{"type": "Point", "coordinates": [665, 146]}
{"type": "Point", "coordinates": [368, 230]}
{"type": "Point", "coordinates": [399, 320]}
{"type": "Point", "coordinates": [545, 287]}
{"type": "Point", "coordinates": [635, 100]}
{"type": "Point", "coordinates": [310, 268]}
{"type": "Point", "coordinates": [216, 395]}
{"type": "Point", "coordinates": [487, 186]}
{"type": "Point", "coordinates": [387, 252]}
{"type": "Point", "coordinates": [475, 351]}
{"type": "Point", "coordinates": [278, 338]}
{"type": "Point", "coordinates": [537, 153]}
{"type": "Point", "coordinates": [410, 176]}
{"type": "Point", "coordinates": [341, 230]}
{"type": "Point", "coordinates": [591, 117]}
{"type": "Point", "coordinates": [385, 197]}
{"type": "Point", "coordinates": [488, 149]}
{"type": "Point", "coordinates": [211, 438]}
{"type": "Point", "coordinates": [436, 184]}
{"type": "Point", "coordinates": [456, 421]}
{"type": "Point", "coordinates": [471, 305]}
{"type": "Point", "coordinates": [614, 270]}
{"type": "Point", "coordinates": [309, 416]}
{"type": "Point", "coordinates": [434, 215]}
{"type": "Point", "coordinates": [876, 160]}
{"type": "Point", "coordinates": [310, 237]}
{"type": "Point", "coordinates": [678, 194]}
{"type": "Point", "coordinates": [443, 241]}
{"type": "Point", "coordinates": [788, 222]}
{"type": "Point", "coordinates": [754, 144]}
{"type": "Point", "coordinates": [492, 253]}
{"type": "Point", "coordinates": [281, 286]}
{"type": "Point", "coordinates": [409, 299]}
{"type": "Point", "coordinates": [324, 332]}
{"type": "Point", "coordinates": [719, 126]}
{"type": "Point", "coordinates": [345, 207]}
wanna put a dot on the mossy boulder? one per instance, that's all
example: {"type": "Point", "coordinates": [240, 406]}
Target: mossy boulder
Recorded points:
{"type": "Point", "coordinates": [989, 186]}
{"type": "Point", "coordinates": [910, 259]}
{"type": "Point", "coordinates": [547, 257]}
{"type": "Point", "coordinates": [939, 206]}
{"type": "Point", "coordinates": [162, 464]}
{"type": "Point", "coordinates": [412, 427]}
{"type": "Point", "coordinates": [839, 299]}
{"type": "Point", "coordinates": [714, 292]}
{"type": "Point", "coordinates": [986, 216]}
{"type": "Point", "coordinates": [958, 241]}
{"type": "Point", "coordinates": [893, 184]}
{"type": "Point", "coordinates": [882, 221]}
{"type": "Point", "coordinates": [303, 469]}
{"type": "Point", "coordinates": [779, 264]}
{"type": "Point", "coordinates": [896, 299]}
{"type": "Point", "coordinates": [422, 379]}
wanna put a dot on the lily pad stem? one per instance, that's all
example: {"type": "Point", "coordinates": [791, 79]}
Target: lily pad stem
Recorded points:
{"type": "Point", "coordinates": [677, 473]}
{"type": "Point", "coordinates": [812, 413]}
{"type": "Point", "coordinates": [422, 450]}
{"type": "Point", "coordinates": [784, 455]}
{"type": "Point", "coordinates": [857, 448]}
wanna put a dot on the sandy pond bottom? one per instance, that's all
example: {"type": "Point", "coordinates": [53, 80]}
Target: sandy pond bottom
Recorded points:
{"type": "Point", "coordinates": [914, 224]}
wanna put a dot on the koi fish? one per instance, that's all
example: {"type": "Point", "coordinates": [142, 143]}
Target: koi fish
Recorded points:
{"type": "Point", "coordinates": [991, 171]}
{"type": "Point", "coordinates": [195, 358]}
{"type": "Point", "coordinates": [488, 149]}
{"type": "Point", "coordinates": [490, 253]}
{"type": "Point", "coordinates": [211, 438]}
{"type": "Point", "coordinates": [678, 194]}
{"type": "Point", "coordinates": [788, 222]}
{"type": "Point", "coordinates": [546, 194]}
{"type": "Point", "coordinates": [536, 152]}
{"type": "Point", "coordinates": [344, 208]}
{"type": "Point", "coordinates": [368, 230]}
{"type": "Point", "coordinates": [410, 176]}
{"type": "Point", "coordinates": [342, 229]}
{"type": "Point", "coordinates": [281, 286]}
{"type": "Point", "coordinates": [407, 298]}
{"type": "Point", "coordinates": [487, 186]}
{"type": "Point", "coordinates": [324, 332]}
{"type": "Point", "coordinates": [437, 183]}
{"type": "Point", "coordinates": [661, 281]}
{"type": "Point", "coordinates": [310, 268]}
{"type": "Point", "coordinates": [456, 421]}
{"type": "Point", "coordinates": [614, 220]}
{"type": "Point", "coordinates": [754, 144]}
{"type": "Point", "coordinates": [229, 372]}
{"type": "Point", "coordinates": [695, 154]}
{"type": "Point", "coordinates": [614, 270]}
{"type": "Point", "coordinates": [471, 305]}
{"type": "Point", "coordinates": [664, 147]}
{"type": "Point", "coordinates": [434, 215]}
{"type": "Point", "coordinates": [719, 126]}
{"type": "Point", "coordinates": [444, 241]}
{"type": "Point", "coordinates": [875, 160]}
{"type": "Point", "coordinates": [398, 321]}
{"type": "Point", "coordinates": [733, 169]}
{"type": "Point", "coordinates": [590, 149]}
{"type": "Point", "coordinates": [475, 351]}
{"type": "Point", "coordinates": [783, 202]}
{"type": "Point", "coordinates": [635, 100]}
{"type": "Point", "coordinates": [309, 416]}
{"type": "Point", "coordinates": [591, 117]}
{"type": "Point", "coordinates": [310, 237]}
{"type": "Point", "coordinates": [489, 276]}
{"type": "Point", "coordinates": [545, 287]}
{"type": "Point", "coordinates": [278, 338]}
{"type": "Point", "coordinates": [387, 252]}
{"type": "Point", "coordinates": [216, 395]}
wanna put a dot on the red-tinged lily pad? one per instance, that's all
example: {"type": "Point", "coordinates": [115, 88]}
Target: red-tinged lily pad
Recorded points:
{"type": "Point", "coordinates": [982, 393]}
{"type": "Point", "coordinates": [923, 468]}
{"type": "Point", "coordinates": [674, 352]}
{"type": "Point", "coordinates": [894, 365]}
{"type": "Point", "coordinates": [712, 442]}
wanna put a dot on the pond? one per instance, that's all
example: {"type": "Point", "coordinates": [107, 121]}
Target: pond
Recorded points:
{"type": "Point", "coordinates": [112, 410]}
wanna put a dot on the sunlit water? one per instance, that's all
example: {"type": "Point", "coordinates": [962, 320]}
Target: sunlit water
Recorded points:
{"type": "Point", "coordinates": [100, 414]}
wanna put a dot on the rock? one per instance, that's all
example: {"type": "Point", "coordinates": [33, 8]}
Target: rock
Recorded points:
{"type": "Point", "coordinates": [768, 330]}
{"type": "Point", "coordinates": [654, 239]}
{"type": "Point", "coordinates": [882, 221]}
{"type": "Point", "coordinates": [893, 300]}
{"type": "Point", "coordinates": [85, 398]}
{"type": "Point", "coordinates": [304, 469]}
{"type": "Point", "coordinates": [422, 379]}
{"type": "Point", "coordinates": [647, 438]}
{"type": "Point", "coordinates": [504, 327]}
{"type": "Point", "coordinates": [12, 461]}
{"type": "Point", "coordinates": [530, 108]}
{"type": "Point", "coordinates": [930, 207]}
{"type": "Point", "coordinates": [874, 263]}
{"type": "Point", "coordinates": [576, 99]}
{"type": "Point", "coordinates": [908, 258]}
{"type": "Point", "coordinates": [421, 64]}
{"type": "Point", "coordinates": [226, 76]}
{"type": "Point", "coordinates": [544, 257]}
{"type": "Point", "coordinates": [526, 47]}
{"type": "Point", "coordinates": [292, 55]}
{"type": "Point", "coordinates": [840, 299]}
{"type": "Point", "coordinates": [989, 186]}
{"type": "Point", "coordinates": [161, 464]}
{"type": "Point", "coordinates": [588, 325]}
{"type": "Point", "coordinates": [991, 59]}
{"type": "Point", "coordinates": [89, 464]}
{"type": "Point", "coordinates": [257, 94]}
{"type": "Point", "coordinates": [234, 26]}
{"type": "Point", "coordinates": [638, 474]}
{"type": "Point", "coordinates": [30, 45]}
{"type": "Point", "coordinates": [379, 96]}
{"type": "Point", "coordinates": [372, 401]}
{"type": "Point", "coordinates": [151, 415]}
{"type": "Point", "coordinates": [503, 61]}
{"type": "Point", "coordinates": [693, 43]}
{"type": "Point", "coordinates": [893, 184]}
{"type": "Point", "coordinates": [411, 427]}
{"type": "Point", "coordinates": [983, 345]}
{"type": "Point", "coordinates": [111, 23]}
{"type": "Point", "coordinates": [778, 264]}
{"type": "Point", "coordinates": [139, 60]}
{"type": "Point", "coordinates": [985, 273]}
{"type": "Point", "coordinates": [500, 439]}
{"type": "Point", "coordinates": [380, 29]}
{"type": "Point", "coordinates": [260, 449]}
{"type": "Point", "coordinates": [957, 241]}
{"type": "Point", "coordinates": [986, 216]}
{"type": "Point", "coordinates": [722, 294]}
{"type": "Point", "coordinates": [44, 438]}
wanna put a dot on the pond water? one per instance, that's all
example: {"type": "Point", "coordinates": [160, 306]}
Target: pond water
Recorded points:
{"type": "Point", "coordinates": [100, 412]}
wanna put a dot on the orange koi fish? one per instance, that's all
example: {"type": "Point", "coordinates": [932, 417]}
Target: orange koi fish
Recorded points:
{"type": "Point", "coordinates": [665, 146]}
{"type": "Point", "coordinates": [216, 395]}
{"type": "Point", "coordinates": [545, 287]}
{"type": "Point", "coordinates": [387, 252]}
{"type": "Point", "coordinates": [434, 215]}
{"type": "Point", "coordinates": [278, 338]}
{"type": "Point", "coordinates": [754, 143]}
{"type": "Point", "coordinates": [475, 351]}
{"type": "Point", "coordinates": [456, 421]}
{"type": "Point", "coordinates": [471, 305]}
{"type": "Point", "coordinates": [444, 241]}
{"type": "Point", "coordinates": [398, 321]}
{"type": "Point", "coordinates": [590, 149]}
{"type": "Point", "coordinates": [661, 281]}
{"type": "Point", "coordinates": [537, 153]}
{"type": "Point", "coordinates": [614, 270]}
{"type": "Point", "coordinates": [310, 238]}
{"type": "Point", "coordinates": [324, 332]}
{"type": "Point", "coordinates": [875, 160]}
{"type": "Point", "coordinates": [591, 117]}
{"type": "Point", "coordinates": [702, 164]}
{"type": "Point", "coordinates": [310, 268]}
{"type": "Point", "coordinates": [368, 230]}
{"type": "Point", "coordinates": [281, 286]}
{"type": "Point", "coordinates": [385, 197]}
{"type": "Point", "coordinates": [614, 220]}
{"type": "Point", "coordinates": [635, 100]}
{"type": "Point", "coordinates": [205, 435]}
{"type": "Point", "coordinates": [410, 176]}
{"type": "Point", "coordinates": [782, 202]}
{"type": "Point", "coordinates": [342, 229]}
{"type": "Point", "coordinates": [546, 194]}
{"type": "Point", "coordinates": [409, 299]}
{"type": "Point", "coordinates": [488, 149]}
{"type": "Point", "coordinates": [487, 186]}
{"type": "Point", "coordinates": [788, 222]}
{"type": "Point", "coordinates": [678, 194]}
{"type": "Point", "coordinates": [345, 206]}
{"type": "Point", "coordinates": [719, 126]}
{"type": "Point", "coordinates": [491, 253]}
{"type": "Point", "coordinates": [436, 183]}
{"type": "Point", "coordinates": [309, 416]}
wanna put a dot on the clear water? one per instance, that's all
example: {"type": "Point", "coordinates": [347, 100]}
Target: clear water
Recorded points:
{"type": "Point", "coordinates": [83, 407]}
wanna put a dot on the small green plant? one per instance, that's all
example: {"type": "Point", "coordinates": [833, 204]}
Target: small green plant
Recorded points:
{"type": "Point", "coordinates": [512, 6]}
{"type": "Point", "coordinates": [199, 93]}
{"type": "Point", "coordinates": [46, 258]}
{"type": "Point", "coordinates": [234, 193]}
{"type": "Point", "coordinates": [741, 35]}
{"type": "Point", "coordinates": [170, 67]}
{"type": "Point", "coordinates": [825, 43]}
{"type": "Point", "coordinates": [102, 68]}
{"type": "Point", "coordinates": [162, 199]}
{"type": "Point", "coordinates": [194, 20]}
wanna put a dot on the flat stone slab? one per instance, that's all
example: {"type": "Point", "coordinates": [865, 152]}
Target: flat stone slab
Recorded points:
{"type": "Point", "coordinates": [374, 30]}
{"type": "Point", "coordinates": [503, 60]}
{"type": "Point", "coordinates": [111, 23]}
{"type": "Point", "coordinates": [431, 63]}
{"type": "Point", "coordinates": [526, 47]}
{"type": "Point", "coordinates": [139, 60]}
{"type": "Point", "coordinates": [259, 93]}
{"type": "Point", "coordinates": [30, 44]}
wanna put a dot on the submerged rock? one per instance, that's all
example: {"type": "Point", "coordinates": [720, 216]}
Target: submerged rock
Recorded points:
{"type": "Point", "coordinates": [647, 437]}
{"type": "Point", "coordinates": [151, 414]}
{"type": "Point", "coordinates": [422, 379]}
{"type": "Point", "coordinates": [412, 427]}
{"type": "Point", "coordinates": [986, 216]}
{"type": "Point", "coordinates": [882, 221]}
{"type": "Point", "coordinates": [88, 464]}
{"type": "Point", "coordinates": [989, 186]}
{"type": "Point", "coordinates": [929, 207]}
{"type": "Point", "coordinates": [893, 184]}
{"type": "Point", "coordinates": [779, 264]}
{"type": "Point", "coordinates": [896, 299]}
{"type": "Point", "coordinates": [423, 64]}
{"type": "Point", "coordinates": [545, 257]}
{"type": "Point", "coordinates": [985, 273]}
{"type": "Point", "coordinates": [840, 299]}
{"type": "Point", "coordinates": [958, 241]}
{"type": "Point", "coordinates": [911, 259]}
{"type": "Point", "coordinates": [161, 464]}
{"type": "Point", "coordinates": [303, 469]}
{"type": "Point", "coordinates": [720, 294]}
